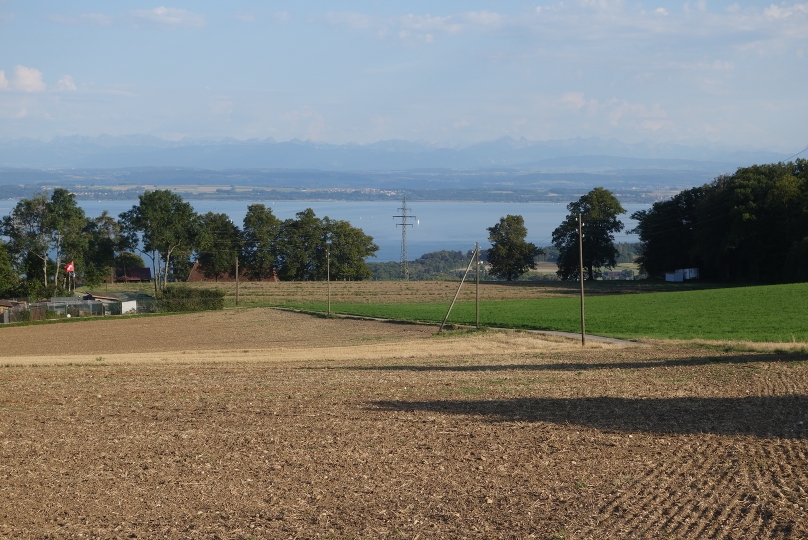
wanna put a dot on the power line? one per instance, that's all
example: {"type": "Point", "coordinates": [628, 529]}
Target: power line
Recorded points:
{"type": "Point", "coordinates": [797, 154]}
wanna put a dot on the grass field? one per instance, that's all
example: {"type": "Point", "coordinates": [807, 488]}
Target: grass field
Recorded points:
{"type": "Point", "coordinates": [623, 309]}
{"type": "Point", "coordinates": [769, 313]}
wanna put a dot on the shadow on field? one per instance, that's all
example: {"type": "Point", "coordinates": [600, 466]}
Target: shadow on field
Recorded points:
{"type": "Point", "coordinates": [584, 366]}
{"type": "Point", "coordinates": [778, 416]}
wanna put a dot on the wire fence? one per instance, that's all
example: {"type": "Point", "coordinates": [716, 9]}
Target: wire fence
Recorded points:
{"type": "Point", "coordinates": [42, 311]}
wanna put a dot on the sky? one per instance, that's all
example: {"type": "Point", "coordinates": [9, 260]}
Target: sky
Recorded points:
{"type": "Point", "coordinates": [450, 73]}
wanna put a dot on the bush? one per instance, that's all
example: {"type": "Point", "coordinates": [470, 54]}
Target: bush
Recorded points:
{"type": "Point", "coordinates": [178, 298]}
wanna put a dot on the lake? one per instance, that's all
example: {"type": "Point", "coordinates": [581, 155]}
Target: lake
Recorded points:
{"type": "Point", "coordinates": [437, 225]}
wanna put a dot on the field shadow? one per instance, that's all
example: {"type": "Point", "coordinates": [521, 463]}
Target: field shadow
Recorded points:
{"type": "Point", "coordinates": [693, 361]}
{"type": "Point", "coordinates": [772, 416]}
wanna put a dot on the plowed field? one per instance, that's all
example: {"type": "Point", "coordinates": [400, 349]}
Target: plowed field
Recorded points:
{"type": "Point", "coordinates": [200, 426]}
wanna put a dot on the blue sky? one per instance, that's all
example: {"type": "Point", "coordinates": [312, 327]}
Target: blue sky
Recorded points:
{"type": "Point", "coordinates": [458, 73]}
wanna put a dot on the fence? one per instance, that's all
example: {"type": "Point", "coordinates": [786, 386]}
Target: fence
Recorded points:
{"type": "Point", "coordinates": [41, 311]}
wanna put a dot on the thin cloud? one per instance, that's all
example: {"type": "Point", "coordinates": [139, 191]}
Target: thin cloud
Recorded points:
{"type": "Point", "coordinates": [353, 21]}
{"type": "Point", "coordinates": [169, 17]}
{"type": "Point", "coordinates": [28, 79]}
{"type": "Point", "coordinates": [83, 19]}
{"type": "Point", "coordinates": [597, 21]}
{"type": "Point", "coordinates": [65, 84]}
{"type": "Point", "coordinates": [419, 27]}
{"type": "Point", "coordinates": [3, 81]}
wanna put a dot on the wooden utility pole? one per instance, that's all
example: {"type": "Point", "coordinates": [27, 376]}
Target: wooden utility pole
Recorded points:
{"type": "Point", "coordinates": [328, 277]}
{"type": "Point", "coordinates": [236, 279]}
{"type": "Point", "coordinates": [581, 277]}
{"type": "Point", "coordinates": [465, 274]}
{"type": "Point", "coordinates": [477, 278]}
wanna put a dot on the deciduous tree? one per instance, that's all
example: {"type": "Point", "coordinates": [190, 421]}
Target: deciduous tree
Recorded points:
{"type": "Point", "coordinates": [599, 210]}
{"type": "Point", "coordinates": [218, 245]}
{"type": "Point", "coordinates": [260, 234]}
{"type": "Point", "coordinates": [510, 254]}
{"type": "Point", "coordinates": [162, 223]}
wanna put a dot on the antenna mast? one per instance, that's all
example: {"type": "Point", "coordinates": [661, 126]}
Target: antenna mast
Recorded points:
{"type": "Point", "coordinates": [405, 272]}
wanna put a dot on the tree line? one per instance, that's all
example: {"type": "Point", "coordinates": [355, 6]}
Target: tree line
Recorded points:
{"type": "Point", "coordinates": [751, 226]}
{"type": "Point", "coordinates": [46, 232]}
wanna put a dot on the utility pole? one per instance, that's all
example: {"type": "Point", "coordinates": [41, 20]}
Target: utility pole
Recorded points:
{"type": "Point", "coordinates": [328, 276]}
{"type": "Point", "coordinates": [581, 277]}
{"type": "Point", "coordinates": [236, 279]}
{"type": "Point", "coordinates": [477, 279]}
{"type": "Point", "coordinates": [405, 272]}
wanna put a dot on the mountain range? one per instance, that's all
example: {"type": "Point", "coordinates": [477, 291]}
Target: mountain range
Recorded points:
{"type": "Point", "coordinates": [571, 155]}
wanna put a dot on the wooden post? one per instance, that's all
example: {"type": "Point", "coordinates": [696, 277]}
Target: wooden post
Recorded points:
{"type": "Point", "coordinates": [477, 278]}
{"type": "Point", "coordinates": [236, 279]}
{"type": "Point", "coordinates": [328, 277]}
{"type": "Point", "coordinates": [581, 277]}
{"type": "Point", "coordinates": [446, 318]}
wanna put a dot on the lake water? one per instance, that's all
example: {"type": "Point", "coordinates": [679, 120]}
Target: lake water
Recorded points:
{"type": "Point", "coordinates": [437, 225]}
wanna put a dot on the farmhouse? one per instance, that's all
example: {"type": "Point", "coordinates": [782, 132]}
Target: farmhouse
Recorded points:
{"type": "Point", "coordinates": [132, 275]}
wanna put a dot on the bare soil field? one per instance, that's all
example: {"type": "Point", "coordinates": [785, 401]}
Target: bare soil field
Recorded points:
{"type": "Point", "coordinates": [325, 428]}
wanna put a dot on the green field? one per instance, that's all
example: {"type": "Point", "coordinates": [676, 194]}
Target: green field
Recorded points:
{"type": "Point", "coordinates": [777, 313]}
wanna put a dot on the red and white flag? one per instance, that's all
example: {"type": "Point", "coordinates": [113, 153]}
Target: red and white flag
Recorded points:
{"type": "Point", "coordinates": [69, 267]}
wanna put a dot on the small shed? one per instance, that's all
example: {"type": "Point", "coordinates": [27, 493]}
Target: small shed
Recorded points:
{"type": "Point", "coordinates": [6, 307]}
{"type": "Point", "coordinates": [123, 302]}
{"type": "Point", "coordinates": [682, 274]}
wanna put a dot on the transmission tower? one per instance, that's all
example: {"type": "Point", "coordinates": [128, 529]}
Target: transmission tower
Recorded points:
{"type": "Point", "coordinates": [405, 272]}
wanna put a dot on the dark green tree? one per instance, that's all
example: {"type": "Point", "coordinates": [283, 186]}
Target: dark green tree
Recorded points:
{"type": "Point", "coordinates": [750, 226]}
{"type": "Point", "coordinates": [103, 237]}
{"type": "Point", "coordinates": [301, 247]}
{"type": "Point", "coordinates": [218, 245]}
{"type": "Point", "coordinates": [9, 279]}
{"type": "Point", "coordinates": [260, 233]}
{"type": "Point", "coordinates": [667, 233]}
{"type": "Point", "coordinates": [599, 210]}
{"type": "Point", "coordinates": [510, 254]}
{"type": "Point", "coordinates": [349, 246]}
{"type": "Point", "coordinates": [162, 223]}
{"type": "Point", "coordinates": [303, 242]}
{"type": "Point", "coordinates": [29, 232]}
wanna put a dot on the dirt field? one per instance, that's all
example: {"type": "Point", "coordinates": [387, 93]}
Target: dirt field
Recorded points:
{"type": "Point", "coordinates": [198, 426]}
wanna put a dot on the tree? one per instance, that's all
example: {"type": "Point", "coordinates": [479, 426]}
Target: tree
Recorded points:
{"type": "Point", "coordinates": [218, 245]}
{"type": "Point", "coordinates": [301, 246]}
{"type": "Point", "coordinates": [667, 233]}
{"type": "Point", "coordinates": [164, 224]}
{"type": "Point", "coordinates": [260, 233]}
{"type": "Point", "coordinates": [66, 223]}
{"type": "Point", "coordinates": [40, 227]}
{"type": "Point", "coordinates": [750, 226]}
{"type": "Point", "coordinates": [599, 210]}
{"type": "Point", "coordinates": [104, 237]}
{"type": "Point", "coordinates": [9, 280]}
{"type": "Point", "coordinates": [349, 246]}
{"type": "Point", "coordinates": [510, 255]}
{"type": "Point", "coordinates": [28, 229]}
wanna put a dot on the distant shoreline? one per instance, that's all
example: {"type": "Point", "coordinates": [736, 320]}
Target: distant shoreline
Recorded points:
{"type": "Point", "coordinates": [260, 194]}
